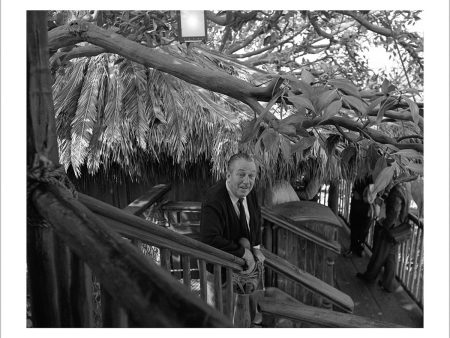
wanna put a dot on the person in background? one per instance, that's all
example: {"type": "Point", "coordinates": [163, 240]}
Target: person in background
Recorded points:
{"type": "Point", "coordinates": [385, 247]}
{"type": "Point", "coordinates": [362, 215]}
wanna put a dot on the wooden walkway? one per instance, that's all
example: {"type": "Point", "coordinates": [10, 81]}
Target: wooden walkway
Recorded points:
{"type": "Point", "coordinates": [370, 301]}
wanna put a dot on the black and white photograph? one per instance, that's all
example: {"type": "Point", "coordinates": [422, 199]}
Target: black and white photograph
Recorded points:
{"type": "Point", "coordinates": [189, 167]}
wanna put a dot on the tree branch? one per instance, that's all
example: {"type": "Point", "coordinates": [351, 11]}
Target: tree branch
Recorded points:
{"type": "Point", "coordinates": [313, 20]}
{"type": "Point", "coordinates": [246, 42]}
{"type": "Point", "coordinates": [262, 50]}
{"type": "Point", "coordinates": [216, 81]}
{"type": "Point", "coordinates": [370, 26]}
{"type": "Point", "coordinates": [358, 127]}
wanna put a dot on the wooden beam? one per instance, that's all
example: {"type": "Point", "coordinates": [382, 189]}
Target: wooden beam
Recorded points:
{"type": "Point", "coordinates": [150, 295]}
{"type": "Point", "coordinates": [317, 316]}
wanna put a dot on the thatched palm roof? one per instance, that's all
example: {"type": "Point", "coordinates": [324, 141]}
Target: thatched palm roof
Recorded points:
{"type": "Point", "coordinates": [112, 111]}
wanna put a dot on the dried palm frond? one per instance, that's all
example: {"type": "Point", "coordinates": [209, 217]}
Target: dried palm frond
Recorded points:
{"type": "Point", "coordinates": [134, 81]}
{"type": "Point", "coordinates": [95, 145]}
{"type": "Point", "coordinates": [66, 103]}
{"type": "Point", "coordinates": [86, 114]}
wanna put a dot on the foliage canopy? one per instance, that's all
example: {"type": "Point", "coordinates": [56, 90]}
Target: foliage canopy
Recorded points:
{"type": "Point", "coordinates": [294, 87]}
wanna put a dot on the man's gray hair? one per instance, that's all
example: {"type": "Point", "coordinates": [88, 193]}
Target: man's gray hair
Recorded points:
{"type": "Point", "coordinates": [239, 156]}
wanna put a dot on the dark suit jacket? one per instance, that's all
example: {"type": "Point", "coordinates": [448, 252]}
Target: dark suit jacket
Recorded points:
{"type": "Point", "coordinates": [219, 225]}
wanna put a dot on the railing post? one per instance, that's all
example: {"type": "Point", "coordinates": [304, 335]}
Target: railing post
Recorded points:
{"type": "Point", "coordinates": [218, 287]}
{"type": "Point", "coordinates": [329, 278]}
{"type": "Point", "coordinates": [229, 295]}
{"type": "Point", "coordinates": [113, 315]}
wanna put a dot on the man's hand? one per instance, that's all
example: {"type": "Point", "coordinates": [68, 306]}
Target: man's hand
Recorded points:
{"type": "Point", "coordinates": [249, 261]}
{"type": "Point", "coordinates": [258, 255]}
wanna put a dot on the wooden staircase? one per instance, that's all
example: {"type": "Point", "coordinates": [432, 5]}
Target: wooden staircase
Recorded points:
{"type": "Point", "coordinates": [103, 241]}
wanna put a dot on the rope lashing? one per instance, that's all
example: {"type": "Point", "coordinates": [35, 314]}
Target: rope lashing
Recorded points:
{"type": "Point", "coordinates": [45, 171]}
{"type": "Point", "coordinates": [247, 283]}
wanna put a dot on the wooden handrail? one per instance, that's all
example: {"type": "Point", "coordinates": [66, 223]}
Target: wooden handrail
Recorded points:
{"type": "Point", "coordinates": [136, 228]}
{"type": "Point", "coordinates": [140, 226]}
{"type": "Point", "coordinates": [134, 232]}
{"type": "Point", "coordinates": [310, 282]}
{"type": "Point", "coordinates": [317, 316]}
{"type": "Point", "coordinates": [284, 223]}
{"type": "Point", "coordinates": [150, 295]}
{"type": "Point", "coordinates": [188, 206]}
{"type": "Point", "coordinates": [139, 205]}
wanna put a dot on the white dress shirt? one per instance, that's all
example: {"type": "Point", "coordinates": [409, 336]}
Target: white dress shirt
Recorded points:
{"type": "Point", "coordinates": [234, 201]}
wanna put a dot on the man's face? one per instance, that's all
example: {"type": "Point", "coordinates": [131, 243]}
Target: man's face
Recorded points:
{"type": "Point", "coordinates": [241, 177]}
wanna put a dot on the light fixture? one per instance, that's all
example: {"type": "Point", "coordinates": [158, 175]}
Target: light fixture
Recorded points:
{"type": "Point", "coordinates": [191, 26]}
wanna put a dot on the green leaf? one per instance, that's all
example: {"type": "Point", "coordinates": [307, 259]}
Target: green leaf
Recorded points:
{"type": "Point", "coordinates": [301, 101]}
{"type": "Point", "coordinates": [293, 119]}
{"type": "Point", "coordinates": [356, 103]}
{"type": "Point", "coordinates": [307, 77]}
{"type": "Point", "coordinates": [303, 144]}
{"type": "Point", "coordinates": [332, 109]}
{"type": "Point", "coordinates": [383, 179]}
{"type": "Point", "coordinates": [375, 103]}
{"type": "Point", "coordinates": [302, 131]}
{"type": "Point", "coordinates": [300, 85]}
{"type": "Point", "coordinates": [345, 85]}
{"type": "Point", "coordinates": [412, 91]}
{"type": "Point", "coordinates": [409, 153]}
{"type": "Point", "coordinates": [414, 110]}
{"type": "Point", "coordinates": [325, 99]}
{"type": "Point", "coordinates": [287, 129]}
{"type": "Point", "coordinates": [415, 167]}
{"type": "Point", "coordinates": [388, 103]}
{"type": "Point", "coordinates": [387, 87]}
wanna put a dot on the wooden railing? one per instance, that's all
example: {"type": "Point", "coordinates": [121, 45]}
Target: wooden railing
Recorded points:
{"type": "Point", "coordinates": [135, 292]}
{"type": "Point", "coordinates": [149, 296]}
{"type": "Point", "coordinates": [305, 249]}
{"type": "Point", "coordinates": [410, 268]}
{"type": "Point", "coordinates": [276, 304]}
{"type": "Point", "coordinates": [410, 260]}
{"type": "Point", "coordinates": [177, 253]}
{"type": "Point", "coordinates": [273, 262]}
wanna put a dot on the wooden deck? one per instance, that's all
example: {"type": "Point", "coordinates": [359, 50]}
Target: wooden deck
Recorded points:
{"type": "Point", "coordinates": [370, 301]}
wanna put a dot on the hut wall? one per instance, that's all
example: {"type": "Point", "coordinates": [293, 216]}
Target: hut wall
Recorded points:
{"type": "Point", "coordinates": [118, 189]}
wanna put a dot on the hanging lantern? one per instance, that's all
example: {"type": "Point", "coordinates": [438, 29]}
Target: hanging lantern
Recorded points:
{"type": "Point", "coordinates": [192, 26]}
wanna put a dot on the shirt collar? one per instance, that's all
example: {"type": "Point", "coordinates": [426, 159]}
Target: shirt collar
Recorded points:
{"type": "Point", "coordinates": [233, 197]}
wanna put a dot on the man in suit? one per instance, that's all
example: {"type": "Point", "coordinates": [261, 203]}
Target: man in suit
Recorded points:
{"type": "Point", "coordinates": [231, 214]}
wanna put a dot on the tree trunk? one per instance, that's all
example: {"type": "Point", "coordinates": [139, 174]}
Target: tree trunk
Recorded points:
{"type": "Point", "coordinates": [41, 140]}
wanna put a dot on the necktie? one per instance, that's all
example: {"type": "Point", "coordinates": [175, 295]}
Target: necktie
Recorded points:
{"type": "Point", "coordinates": [243, 218]}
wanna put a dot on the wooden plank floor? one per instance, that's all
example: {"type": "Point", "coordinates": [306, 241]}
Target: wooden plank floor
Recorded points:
{"type": "Point", "coordinates": [370, 301]}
